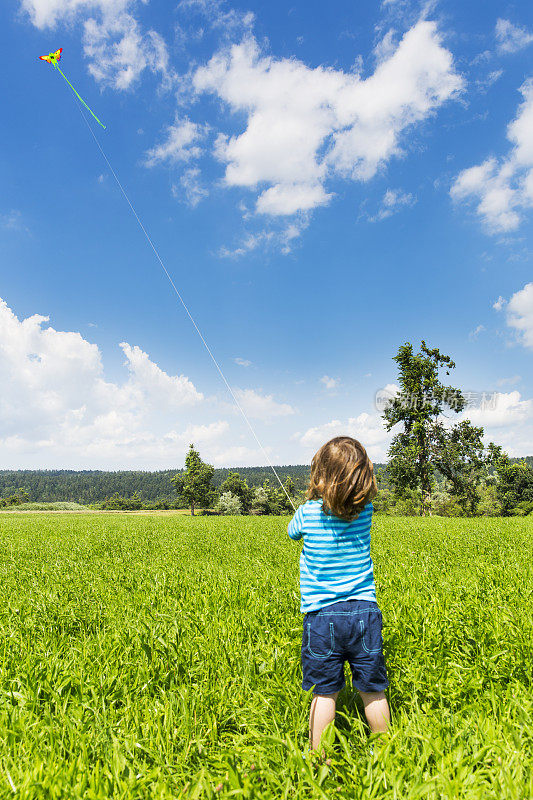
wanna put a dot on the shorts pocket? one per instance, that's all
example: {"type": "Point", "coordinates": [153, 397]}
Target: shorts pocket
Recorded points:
{"type": "Point", "coordinates": [371, 640]}
{"type": "Point", "coordinates": [320, 640]}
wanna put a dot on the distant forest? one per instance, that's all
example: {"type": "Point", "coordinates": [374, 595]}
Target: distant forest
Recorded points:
{"type": "Point", "coordinates": [94, 486]}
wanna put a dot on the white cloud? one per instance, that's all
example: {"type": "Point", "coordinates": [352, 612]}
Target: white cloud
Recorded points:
{"type": "Point", "coordinates": [231, 21]}
{"type": "Point", "coordinates": [190, 187]}
{"type": "Point", "coordinates": [520, 314]}
{"type": "Point", "coordinates": [511, 38]}
{"type": "Point", "coordinates": [393, 200]}
{"type": "Point", "coordinates": [117, 48]}
{"type": "Point", "coordinates": [475, 333]}
{"type": "Point", "coordinates": [250, 243]}
{"type": "Point", "coordinates": [242, 362]}
{"type": "Point", "coordinates": [181, 144]}
{"type": "Point", "coordinates": [509, 381]}
{"type": "Point", "coordinates": [155, 385]}
{"type": "Point", "coordinates": [261, 406]}
{"type": "Point", "coordinates": [329, 383]}
{"type": "Point", "coordinates": [282, 237]}
{"type": "Point", "coordinates": [485, 83]}
{"type": "Point", "coordinates": [47, 13]}
{"type": "Point", "coordinates": [503, 189]}
{"type": "Point", "coordinates": [366, 428]}
{"type": "Point", "coordinates": [305, 124]}
{"type": "Point", "coordinates": [500, 409]}
{"type": "Point", "coordinates": [56, 405]}
{"type": "Point", "coordinates": [12, 221]}
{"type": "Point", "coordinates": [119, 52]}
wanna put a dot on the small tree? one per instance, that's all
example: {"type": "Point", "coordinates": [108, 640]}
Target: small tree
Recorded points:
{"type": "Point", "coordinates": [229, 504]}
{"type": "Point", "coordinates": [194, 485]}
{"type": "Point", "coordinates": [239, 488]}
{"type": "Point", "coordinates": [260, 501]}
{"type": "Point", "coordinates": [514, 488]}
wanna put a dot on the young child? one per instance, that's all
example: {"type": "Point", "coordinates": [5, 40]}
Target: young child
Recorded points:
{"type": "Point", "coordinates": [342, 620]}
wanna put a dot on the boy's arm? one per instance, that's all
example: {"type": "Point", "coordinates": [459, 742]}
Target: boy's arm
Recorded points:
{"type": "Point", "coordinates": [295, 530]}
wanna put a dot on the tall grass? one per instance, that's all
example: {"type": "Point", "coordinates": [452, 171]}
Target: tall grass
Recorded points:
{"type": "Point", "coordinates": [159, 657]}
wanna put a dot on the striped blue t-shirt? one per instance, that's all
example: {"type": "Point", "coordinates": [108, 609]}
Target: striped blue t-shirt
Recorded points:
{"type": "Point", "coordinates": [335, 562]}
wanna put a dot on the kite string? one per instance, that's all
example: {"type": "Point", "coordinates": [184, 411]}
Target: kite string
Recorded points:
{"type": "Point", "coordinates": [198, 331]}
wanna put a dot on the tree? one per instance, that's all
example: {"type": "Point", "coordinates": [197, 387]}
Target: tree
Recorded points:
{"type": "Point", "coordinates": [238, 487]}
{"type": "Point", "coordinates": [260, 501]}
{"type": "Point", "coordinates": [229, 504]}
{"type": "Point", "coordinates": [426, 446]}
{"type": "Point", "coordinates": [460, 457]}
{"type": "Point", "coordinates": [194, 485]}
{"type": "Point", "coordinates": [514, 488]}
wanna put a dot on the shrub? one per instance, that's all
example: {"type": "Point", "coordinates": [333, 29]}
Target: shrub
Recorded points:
{"type": "Point", "coordinates": [229, 504]}
{"type": "Point", "coordinates": [118, 503]}
{"type": "Point", "coordinates": [444, 505]}
{"type": "Point", "coordinates": [489, 504]}
{"type": "Point", "coordinates": [260, 501]}
{"type": "Point", "coordinates": [523, 509]}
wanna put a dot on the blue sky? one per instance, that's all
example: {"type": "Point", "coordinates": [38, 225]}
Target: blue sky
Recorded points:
{"type": "Point", "coordinates": [324, 182]}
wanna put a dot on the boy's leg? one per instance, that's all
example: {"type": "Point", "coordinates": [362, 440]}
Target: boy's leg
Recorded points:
{"type": "Point", "coordinates": [322, 712]}
{"type": "Point", "coordinates": [376, 711]}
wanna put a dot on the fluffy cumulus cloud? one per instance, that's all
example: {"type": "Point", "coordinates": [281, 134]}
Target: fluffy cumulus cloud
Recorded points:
{"type": "Point", "coordinates": [499, 410]}
{"type": "Point", "coordinates": [519, 313]}
{"type": "Point", "coordinates": [506, 417]}
{"type": "Point", "coordinates": [502, 189]}
{"type": "Point", "coordinates": [511, 38]}
{"type": "Point", "coordinates": [257, 405]}
{"type": "Point", "coordinates": [305, 125]}
{"type": "Point", "coordinates": [58, 409]}
{"type": "Point", "coordinates": [366, 428]}
{"type": "Point", "coordinates": [119, 51]}
{"type": "Point", "coordinates": [115, 44]}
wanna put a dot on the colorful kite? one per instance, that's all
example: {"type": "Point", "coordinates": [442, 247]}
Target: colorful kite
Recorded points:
{"type": "Point", "coordinates": [53, 58]}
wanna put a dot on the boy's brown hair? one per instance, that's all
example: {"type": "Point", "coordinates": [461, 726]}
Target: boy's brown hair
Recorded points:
{"type": "Point", "coordinates": [343, 476]}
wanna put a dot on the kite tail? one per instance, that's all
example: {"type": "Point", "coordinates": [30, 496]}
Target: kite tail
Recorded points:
{"type": "Point", "coordinates": [78, 96]}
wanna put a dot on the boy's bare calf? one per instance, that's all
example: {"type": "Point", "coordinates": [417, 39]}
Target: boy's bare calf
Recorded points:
{"type": "Point", "coordinates": [323, 708]}
{"type": "Point", "coordinates": [376, 711]}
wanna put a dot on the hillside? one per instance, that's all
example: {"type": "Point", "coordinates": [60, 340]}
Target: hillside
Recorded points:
{"type": "Point", "coordinates": [93, 486]}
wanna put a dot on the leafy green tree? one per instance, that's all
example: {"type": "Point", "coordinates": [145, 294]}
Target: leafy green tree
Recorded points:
{"type": "Point", "coordinates": [289, 486]}
{"type": "Point", "coordinates": [461, 458]}
{"type": "Point", "coordinates": [515, 486]}
{"type": "Point", "coordinates": [194, 485]}
{"type": "Point", "coordinates": [260, 504]}
{"type": "Point", "coordinates": [489, 504]}
{"type": "Point", "coordinates": [426, 446]}
{"type": "Point", "coordinates": [239, 488]}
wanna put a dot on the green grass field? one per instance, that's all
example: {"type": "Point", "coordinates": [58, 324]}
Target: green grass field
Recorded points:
{"type": "Point", "coordinates": [159, 657]}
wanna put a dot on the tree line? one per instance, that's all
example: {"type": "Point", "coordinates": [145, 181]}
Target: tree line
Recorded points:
{"type": "Point", "coordinates": [94, 486]}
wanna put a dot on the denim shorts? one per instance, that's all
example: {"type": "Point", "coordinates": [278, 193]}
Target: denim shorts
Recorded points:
{"type": "Point", "coordinates": [349, 630]}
